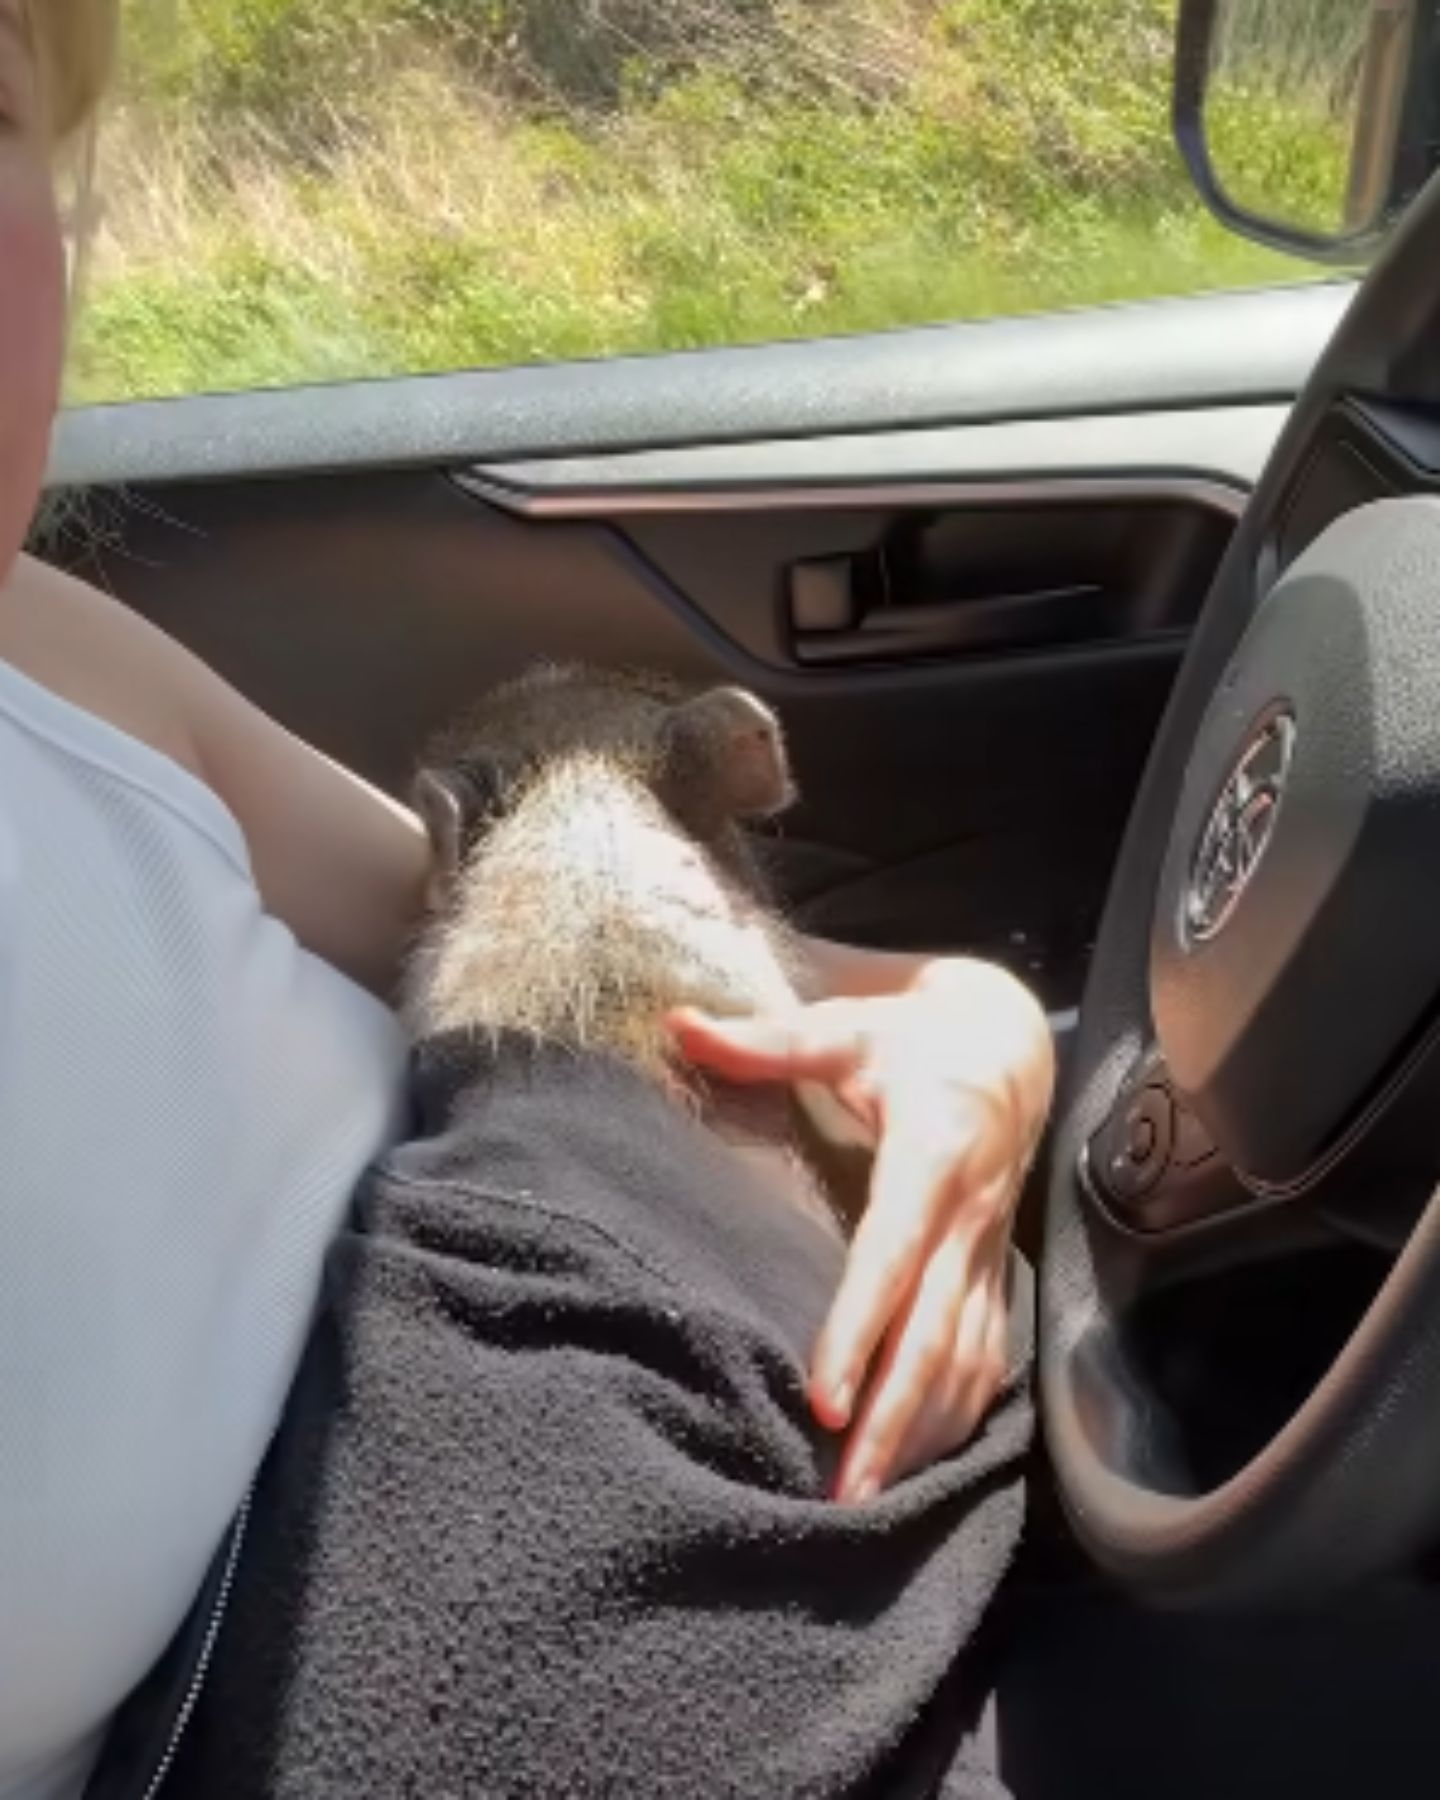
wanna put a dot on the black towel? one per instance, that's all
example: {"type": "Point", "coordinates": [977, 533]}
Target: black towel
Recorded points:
{"type": "Point", "coordinates": [547, 1514]}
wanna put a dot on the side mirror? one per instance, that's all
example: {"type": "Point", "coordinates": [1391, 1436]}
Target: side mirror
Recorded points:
{"type": "Point", "coordinates": [1309, 124]}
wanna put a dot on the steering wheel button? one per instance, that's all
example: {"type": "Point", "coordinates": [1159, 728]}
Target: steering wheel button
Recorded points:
{"type": "Point", "coordinates": [1128, 1180]}
{"type": "Point", "coordinates": [1139, 1137]}
{"type": "Point", "coordinates": [1151, 1118]}
{"type": "Point", "coordinates": [1193, 1144]}
{"type": "Point", "coordinates": [1134, 1149]}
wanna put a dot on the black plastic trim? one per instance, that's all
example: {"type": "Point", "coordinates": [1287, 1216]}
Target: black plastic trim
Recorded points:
{"type": "Point", "coordinates": [1215, 350]}
{"type": "Point", "coordinates": [1213, 456]}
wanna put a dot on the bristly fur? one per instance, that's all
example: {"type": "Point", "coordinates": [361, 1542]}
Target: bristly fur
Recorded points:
{"type": "Point", "coordinates": [593, 874]}
{"type": "Point", "coordinates": [584, 916]}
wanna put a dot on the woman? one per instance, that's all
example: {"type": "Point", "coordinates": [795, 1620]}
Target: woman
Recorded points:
{"type": "Point", "coordinates": [196, 1064]}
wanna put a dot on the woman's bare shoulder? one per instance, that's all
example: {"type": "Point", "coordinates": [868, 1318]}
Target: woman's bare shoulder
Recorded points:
{"type": "Point", "coordinates": [341, 863]}
{"type": "Point", "coordinates": [97, 654]}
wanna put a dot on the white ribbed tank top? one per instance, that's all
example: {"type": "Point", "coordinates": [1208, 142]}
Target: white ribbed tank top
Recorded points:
{"type": "Point", "coordinates": [186, 1100]}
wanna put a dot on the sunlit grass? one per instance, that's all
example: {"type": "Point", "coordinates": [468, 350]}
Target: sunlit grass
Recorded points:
{"type": "Point", "coordinates": [867, 164]}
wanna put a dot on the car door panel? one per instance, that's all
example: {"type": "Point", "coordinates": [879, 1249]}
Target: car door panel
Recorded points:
{"type": "Point", "coordinates": [966, 746]}
{"type": "Point", "coordinates": [1215, 352]}
{"type": "Point", "coordinates": [1222, 443]}
{"type": "Point", "coordinates": [953, 802]}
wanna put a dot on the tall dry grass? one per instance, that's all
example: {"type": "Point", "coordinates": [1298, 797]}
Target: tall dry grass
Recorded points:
{"type": "Point", "coordinates": [295, 191]}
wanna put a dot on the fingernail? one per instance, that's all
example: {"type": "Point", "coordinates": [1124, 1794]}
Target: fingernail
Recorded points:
{"type": "Point", "coordinates": [865, 1489]}
{"type": "Point", "coordinates": [842, 1398]}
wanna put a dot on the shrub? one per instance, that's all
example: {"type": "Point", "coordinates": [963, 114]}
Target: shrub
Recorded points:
{"type": "Point", "coordinates": [314, 189]}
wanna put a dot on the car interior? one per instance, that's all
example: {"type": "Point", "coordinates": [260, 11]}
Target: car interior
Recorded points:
{"type": "Point", "coordinates": [1107, 645]}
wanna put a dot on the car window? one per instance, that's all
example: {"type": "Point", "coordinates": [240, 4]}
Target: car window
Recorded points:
{"type": "Point", "coordinates": [300, 190]}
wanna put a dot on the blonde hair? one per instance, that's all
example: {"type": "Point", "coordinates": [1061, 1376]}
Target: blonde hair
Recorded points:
{"type": "Point", "coordinates": [75, 47]}
{"type": "Point", "coordinates": [74, 43]}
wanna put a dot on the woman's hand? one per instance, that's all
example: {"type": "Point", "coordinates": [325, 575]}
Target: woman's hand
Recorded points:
{"type": "Point", "coordinates": [952, 1071]}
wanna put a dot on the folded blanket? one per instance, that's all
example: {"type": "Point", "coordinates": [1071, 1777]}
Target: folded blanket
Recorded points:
{"type": "Point", "coordinates": [547, 1513]}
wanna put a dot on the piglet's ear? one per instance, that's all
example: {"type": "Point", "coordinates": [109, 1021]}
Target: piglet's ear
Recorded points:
{"type": "Point", "coordinates": [726, 759]}
{"type": "Point", "coordinates": [452, 804]}
{"type": "Point", "coordinates": [436, 799]}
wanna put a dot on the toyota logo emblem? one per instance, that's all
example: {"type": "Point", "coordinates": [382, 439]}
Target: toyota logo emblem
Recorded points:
{"type": "Point", "coordinates": [1239, 828]}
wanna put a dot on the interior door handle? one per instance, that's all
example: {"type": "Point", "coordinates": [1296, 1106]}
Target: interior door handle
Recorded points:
{"type": "Point", "coordinates": [1028, 620]}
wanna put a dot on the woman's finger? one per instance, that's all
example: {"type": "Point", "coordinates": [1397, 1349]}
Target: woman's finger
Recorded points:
{"type": "Point", "coordinates": [917, 1361]}
{"type": "Point", "coordinates": [823, 1042]}
{"type": "Point", "coordinates": [984, 1306]}
{"type": "Point", "coordinates": [961, 1399]}
{"type": "Point", "coordinates": [918, 1163]}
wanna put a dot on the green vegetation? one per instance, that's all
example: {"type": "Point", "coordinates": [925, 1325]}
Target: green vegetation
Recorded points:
{"type": "Point", "coordinates": [1285, 91]}
{"type": "Point", "coordinates": [317, 189]}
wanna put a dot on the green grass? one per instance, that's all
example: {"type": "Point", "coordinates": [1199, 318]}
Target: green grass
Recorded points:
{"type": "Point", "coordinates": [296, 191]}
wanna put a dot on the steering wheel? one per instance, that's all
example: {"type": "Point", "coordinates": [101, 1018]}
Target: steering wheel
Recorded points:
{"type": "Point", "coordinates": [1257, 1066]}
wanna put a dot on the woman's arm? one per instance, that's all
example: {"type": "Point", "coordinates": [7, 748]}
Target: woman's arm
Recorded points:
{"type": "Point", "coordinates": [341, 863]}
{"type": "Point", "coordinates": [843, 972]}
{"type": "Point", "coordinates": [950, 1065]}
